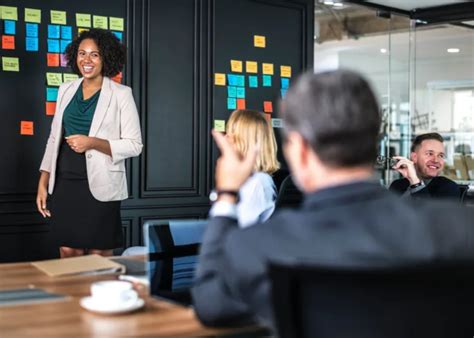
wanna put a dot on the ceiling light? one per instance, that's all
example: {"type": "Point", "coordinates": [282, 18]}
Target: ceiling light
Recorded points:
{"type": "Point", "coordinates": [338, 4]}
{"type": "Point", "coordinates": [453, 50]}
{"type": "Point", "coordinates": [328, 2]}
{"type": "Point", "coordinates": [383, 50]}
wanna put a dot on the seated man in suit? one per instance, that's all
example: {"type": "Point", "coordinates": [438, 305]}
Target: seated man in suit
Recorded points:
{"type": "Point", "coordinates": [422, 173]}
{"type": "Point", "coordinates": [331, 123]}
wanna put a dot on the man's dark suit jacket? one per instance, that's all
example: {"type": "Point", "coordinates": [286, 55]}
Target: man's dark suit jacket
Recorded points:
{"type": "Point", "coordinates": [354, 225]}
{"type": "Point", "coordinates": [439, 187]}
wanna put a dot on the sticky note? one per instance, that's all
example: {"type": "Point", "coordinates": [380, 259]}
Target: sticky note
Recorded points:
{"type": "Point", "coordinates": [50, 108]}
{"type": "Point", "coordinates": [80, 30]}
{"type": "Point", "coordinates": [259, 41]}
{"type": "Point", "coordinates": [26, 128]}
{"type": "Point", "coordinates": [9, 13]}
{"type": "Point", "coordinates": [240, 80]}
{"type": "Point", "coordinates": [32, 30]}
{"type": "Point", "coordinates": [285, 83]}
{"type": "Point", "coordinates": [33, 15]}
{"type": "Point", "coordinates": [231, 91]}
{"type": "Point", "coordinates": [83, 20]}
{"type": "Point", "coordinates": [267, 81]}
{"type": "Point", "coordinates": [267, 68]}
{"type": "Point", "coordinates": [283, 92]}
{"type": "Point", "coordinates": [70, 77]}
{"type": "Point", "coordinates": [62, 60]}
{"type": "Point", "coordinates": [58, 17]}
{"type": "Point", "coordinates": [51, 94]}
{"type": "Point", "coordinates": [285, 71]}
{"type": "Point", "coordinates": [268, 106]}
{"type": "Point", "coordinates": [251, 67]}
{"type": "Point", "coordinates": [54, 32]}
{"type": "Point", "coordinates": [31, 44]}
{"type": "Point", "coordinates": [240, 103]}
{"type": "Point", "coordinates": [219, 79]}
{"type": "Point", "coordinates": [253, 81]}
{"type": "Point", "coordinates": [8, 42]}
{"type": "Point", "coordinates": [119, 35]}
{"type": "Point", "coordinates": [100, 22]}
{"type": "Point", "coordinates": [63, 45]}
{"type": "Point", "coordinates": [9, 27]}
{"type": "Point", "coordinates": [53, 59]}
{"type": "Point", "coordinates": [241, 92]}
{"type": "Point", "coordinates": [231, 103]}
{"type": "Point", "coordinates": [66, 32]}
{"type": "Point", "coordinates": [219, 125]}
{"type": "Point", "coordinates": [232, 79]}
{"type": "Point", "coordinates": [118, 78]}
{"type": "Point", "coordinates": [10, 64]}
{"type": "Point", "coordinates": [236, 66]}
{"type": "Point", "coordinates": [277, 123]}
{"type": "Point", "coordinates": [53, 46]}
{"type": "Point", "coordinates": [116, 24]}
{"type": "Point", "coordinates": [54, 79]}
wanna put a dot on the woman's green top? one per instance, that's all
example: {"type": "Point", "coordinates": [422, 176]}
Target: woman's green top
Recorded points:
{"type": "Point", "coordinates": [77, 118]}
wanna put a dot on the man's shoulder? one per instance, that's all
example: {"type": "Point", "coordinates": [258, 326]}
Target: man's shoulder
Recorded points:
{"type": "Point", "coordinates": [444, 180]}
{"type": "Point", "coordinates": [399, 185]}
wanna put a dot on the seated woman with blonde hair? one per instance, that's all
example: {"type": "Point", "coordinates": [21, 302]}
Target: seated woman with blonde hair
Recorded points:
{"type": "Point", "coordinates": [257, 196]}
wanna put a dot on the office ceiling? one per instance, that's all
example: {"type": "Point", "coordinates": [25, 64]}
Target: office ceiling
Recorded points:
{"type": "Point", "coordinates": [408, 5]}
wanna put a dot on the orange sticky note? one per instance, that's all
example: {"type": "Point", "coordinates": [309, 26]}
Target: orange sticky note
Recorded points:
{"type": "Point", "coordinates": [26, 128]}
{"type": "Point", "coordinates": [268, 106]}
{"type": "Point", "coordinates": [53, 59]}
{"type": "Point", "coordinates": [8, 42]}
{"type": "Point", "coordinates": [50, 108]}
{"type": "Point", "coordinates": [118, 78]}
{"type": "Point", "coordinates": [240, 103]}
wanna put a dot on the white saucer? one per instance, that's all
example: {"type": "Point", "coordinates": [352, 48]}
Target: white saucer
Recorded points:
{"type": "Point", "coordinates": [90, 304]}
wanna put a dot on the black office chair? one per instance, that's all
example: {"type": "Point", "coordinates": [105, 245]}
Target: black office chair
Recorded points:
{"type": "Point", "coordinates": [289, 196]}
{"type": "Point", "coordinates": [434, 302]}
{"type": "Point", "coordinates": [463, 188]}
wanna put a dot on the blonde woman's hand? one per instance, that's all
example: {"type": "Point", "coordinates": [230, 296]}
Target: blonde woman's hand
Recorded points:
{"type": "Point", "coordinates": [79, 143]}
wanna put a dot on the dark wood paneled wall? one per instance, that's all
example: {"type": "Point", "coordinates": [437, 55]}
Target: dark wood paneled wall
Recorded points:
{"type": "Point", "coordinates": [173, 52]}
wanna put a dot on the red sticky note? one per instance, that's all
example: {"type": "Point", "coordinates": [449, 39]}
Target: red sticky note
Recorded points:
{"type": "Point", "coordinates": [268, 106]}
{"type": "Point", "coordinates": [8, 42]}
{"type": "Point", "coordinates": [50, 108]}
{"type": "Point", "coordinates": [268, 117]}
{"type": "Point", "coordinates": [53, 60]}
{"type": "Point", "coordinates": [240, 103]}
{"type": "Point", "coordinates": [26, 128]}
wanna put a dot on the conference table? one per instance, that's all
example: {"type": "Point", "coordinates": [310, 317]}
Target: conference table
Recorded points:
{"type": "Point", "coordinates": [66, 318]}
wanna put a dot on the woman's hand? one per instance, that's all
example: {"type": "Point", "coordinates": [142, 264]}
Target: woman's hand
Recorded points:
{"type": "Point", "coordinates": [79, 143]}
{"type": "Point", "coordinates": [42, 195]}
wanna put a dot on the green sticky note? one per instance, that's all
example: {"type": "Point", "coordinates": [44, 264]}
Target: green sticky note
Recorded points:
{"type": "Point", "coordinates": [116, 24]}
{"type": "Point", "coordinates": [10, 64]}
{"type": "Point", "coordinates": [83, 20]}
{"type": "Point", "coordinates": [70, 77]}
{"type": "Point", "coordinates": [219, 125]}
{"type": "Point", "coordinates": [9, 13]}
{"type": "Point", "coordinates": [58, 17]}
{"type": "Point", "coordinates": [32, 15]}
{"type": "Point", "coordinates": [54, 79]}
{"type": "Point", "coordinates": [100, 22]}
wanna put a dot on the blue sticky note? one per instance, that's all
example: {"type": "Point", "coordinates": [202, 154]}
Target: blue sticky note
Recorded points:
{"type": "Point", "coordinates": [240, 92]}
{"type": "Point", "coordinates": [267, 80]}
{"type": "Point", "coordinates": [232, 79]}
{"type": "Point", "coordinates": [64, 44]}
{"type": "Point", "coordinates": [253, 81]}
{"type": "Point", "coordinates": [240, 80]}
{"type": "Point", "coordinates": [66, 32]}
{"type": "Point", "coordinates": [283, 92]}
{"type": "Point", "coordinates": [10, 27]}
{"type": "Point", "coordinates": [231, 91]}
{"type": "Point", "coordinates": [285, 83]}
{"type": "Point", "coordinates": [53, 32]}
{"type": "Point", "coordinates": [119, 35]}
{"type": "Point", "coordinates": [53, 46]}
{"type": "Point", "coordinates": [51, 94]}
{"type": "Point", "coordinates": [231, 103]}
{"type": "Point", "coordinates": [31, 44]}
{"type": "Point", "coordinates": [32, 30]}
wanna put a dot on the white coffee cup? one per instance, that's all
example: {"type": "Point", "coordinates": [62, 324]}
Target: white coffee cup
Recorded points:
{"type": "Point", "coordinates": [113, 293]}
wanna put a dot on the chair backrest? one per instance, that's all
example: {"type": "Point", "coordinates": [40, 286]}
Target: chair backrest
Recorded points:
{"type": "Point", "coordinates": [463, 188]}
{"type": "Point", "coordinates": [289, 196]}
{"type": "Point", "coordinates": [427, 301]}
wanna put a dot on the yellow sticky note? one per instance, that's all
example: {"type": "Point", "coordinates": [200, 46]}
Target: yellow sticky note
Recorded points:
{"type": "Point", "coordinates": [32, 15]}
{"type": "Point", "coordinates": [8, 13]}
{"type": "Point", "coordinates": [251, 67]}
{"type": "Point", "coordinates": [219, 79]}
{"type": "Point", "coordinates": [116, 24]}
{"type": "Point", "coordinates": [219, 125]}
{"type": "Point", "coordinates": [10, 64]}
{"type": "Point", "coordinates": [267, 68]}
{"type": "Point", "coordinates": [83, 20]}
{"type": "Point", "coordinates": [100, 22]}
{"type": "Point", "coordinates": [80, 30]}
{"type": "Point", "coordinates": [70, 77]}
{"type": "Point", "coordinates": [259, 41]}
{"type": "Point", "coordinates": [236, 66]}
{"type": "Point", "coordinates": [285, 71]}
{"type": "Point", "coordinates": [58, 17]}
{"type": "Point", "coordinates": [54, 79]}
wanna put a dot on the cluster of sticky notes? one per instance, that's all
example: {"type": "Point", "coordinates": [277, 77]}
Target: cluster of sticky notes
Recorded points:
{"type": "Point", "coordinates": [10, 64]}
{"type": "Point", "coordinates": [31, 30]}
{"type": "Point", "coordinates": [59, 37]}
{"type": "Point", "coordinates": [51, 98]}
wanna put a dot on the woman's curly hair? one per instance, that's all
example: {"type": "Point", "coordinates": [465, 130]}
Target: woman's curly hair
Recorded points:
{"type": "Point", "coordinates": [111, 51]}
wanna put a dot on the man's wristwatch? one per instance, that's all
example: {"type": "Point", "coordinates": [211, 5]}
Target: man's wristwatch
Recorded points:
{"type": "Point", "coordinates": [416, 185]}
{"type": "Point", "coordinates": [214, 195]}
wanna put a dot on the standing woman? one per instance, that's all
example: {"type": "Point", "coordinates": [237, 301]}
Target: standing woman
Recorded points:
{"type": "Point", "coordinates": [95, 128]}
